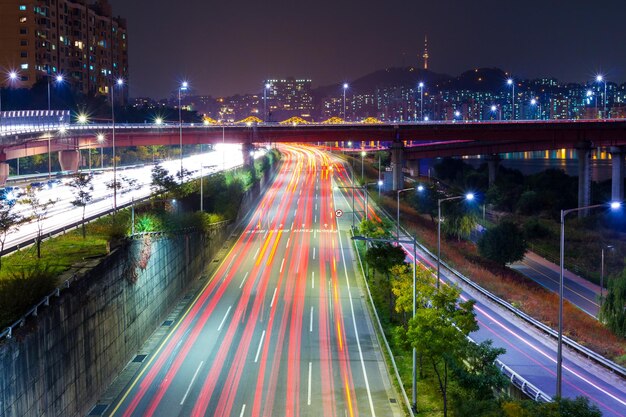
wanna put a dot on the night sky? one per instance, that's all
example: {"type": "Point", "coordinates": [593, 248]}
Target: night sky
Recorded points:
{"type": "Point", "coordinates": [228, 47]}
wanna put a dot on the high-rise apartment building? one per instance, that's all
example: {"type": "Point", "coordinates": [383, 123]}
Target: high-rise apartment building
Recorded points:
{"type": "Point", "coordinates": [288, 97]}
{"type": "Point", "coordinates": [79, 39]}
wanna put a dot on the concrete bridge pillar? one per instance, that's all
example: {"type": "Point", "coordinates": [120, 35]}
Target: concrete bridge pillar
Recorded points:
{"type": "Point", "coordinates": [397, 157]}
{"type": "Point", "coordinates": [68, 160]}
{"type": "Point", "coordinates": [617, 177]}
{"type": "Point", "coordinates": [4, 172]}
{"type": "Point", "coordinates": [413, 165]}
{"type": "Point", "coordinates": [583, 151]}
{"type": "Point", "coordinates": [493, 162]}
{"type": "Point", "coordinates": [247, 150]}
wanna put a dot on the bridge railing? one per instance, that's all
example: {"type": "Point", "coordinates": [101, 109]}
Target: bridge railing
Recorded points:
{"type": "Point", "coordinates": [16, 121]}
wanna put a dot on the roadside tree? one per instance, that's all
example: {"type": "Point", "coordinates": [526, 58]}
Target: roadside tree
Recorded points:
{"type": "Point", "coordinates": [9, 222]}
{"type": "Point", "coordinates": [503, 243]}
{"type": "Point", "coordinates": [39, 210]}
{"type": "Point", "coordinates": [83, 194]}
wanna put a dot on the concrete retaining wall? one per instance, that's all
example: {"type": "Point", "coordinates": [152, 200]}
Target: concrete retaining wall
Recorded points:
{"type": "Point", "coordinates": [59, 363]}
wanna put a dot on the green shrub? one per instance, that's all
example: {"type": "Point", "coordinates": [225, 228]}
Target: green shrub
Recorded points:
{"type": "Point", "coordinates": [22, 289]}
{"type": "Point", "coordinates": [534, 229]}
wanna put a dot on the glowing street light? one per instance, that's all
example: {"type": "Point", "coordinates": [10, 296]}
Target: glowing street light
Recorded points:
{"type": "Point", "coordinates": [82, 118]}
{"type": "Point", "coordinates": [600, 78]}
{"type": "Point", "coordinates": [158, 121]}
{"type": "Point", "coordinates": [535, 103]}
{"type": "Point", "coordinates": [495, 109]}
{"type": "Point", "coordinates": [100, 139]}
{"type": "Point", "coordinates": [267, 86]}
{"type": "Point", "coordinates": [345, 87]}
{"type": "Point", "coordinates": [512, 84]}
{"type": "Point", "coordinates": [614, 205]}
{"type": "Point", "coordinates": [58, 79]}
{"type": "Point", "coordinates": [468, 197]}
{"type": "Point", "coordinates": [421, 88]}
{"type": "Point", "coordinates": [120, 84]}
{"type": "Point", "coordinates": [183, 87]}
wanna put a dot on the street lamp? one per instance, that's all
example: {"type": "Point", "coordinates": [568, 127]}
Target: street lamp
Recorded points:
{"type": "Point", "coordinates": [267, 87]}
{"type": "Point", "coordinates": [600, 79]}
{"type": "Point", "coordinates": [457, 114]}
{"type": "Point", "coordinates": [495, 109]}
{"type": "Point", "coordinates": [82, 119]}
{"type": "Point", "coordinates": [512, 84]}
{"type": "Point", "coordinates": [363, 153]}
{"type": "Point", "coordinates": [535, 103]}
{"type": "Point", "coordinates": [602, 271]}
{"type": "Point", "coordinates": [100, 140]}
{"type": "Point", "coordinates": [183, 87]}
{"type": "Point", "coordinates": [58, 79]}
{"type": "Point", "coordinates": [469, 197]}
{"type": "Point", "coordinates": [559, 353]}
{"type": "Point", "coordinates": [398, 211]}
{"type": "Point", "coordinates": [12, 77]}
{"type": "Point", "coordinates": [345, 87]}
{"type": "Point", "coordinates": [120, 83]}
{"type": "Point", "coordinates": [421, 88]}
{"type": "Point", "coordinates": [414, 243]}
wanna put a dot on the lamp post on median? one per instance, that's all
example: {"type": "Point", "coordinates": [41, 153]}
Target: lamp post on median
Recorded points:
{"type": "Point", "coordinates": [469, 197]}
{"type": "Point", "coordinates": [414, 243]}
{"type": "Point", "coordinates": [183, 87]}
{"type": "Point", "coordinates": [363, 153]}
{"type": "Point", "coordinates": [398, 211]}
{"type": "Point", "coordinates": [559, 353]}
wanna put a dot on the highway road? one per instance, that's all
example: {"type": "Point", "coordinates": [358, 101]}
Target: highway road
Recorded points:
{"type": "Point", "coordinates": [577, 290]}
{"type": "Point", "coordinates": [63, 213]}
{"type": "Point", "coordinates": [281, 329]}
{"type": "Point", "coordinates": [529, 352]}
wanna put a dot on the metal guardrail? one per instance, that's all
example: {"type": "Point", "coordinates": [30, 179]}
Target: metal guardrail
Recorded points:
{"type": "Point", "coordinates": [582, 350]}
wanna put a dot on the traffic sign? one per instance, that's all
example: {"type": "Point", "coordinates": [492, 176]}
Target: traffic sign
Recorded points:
{"type": "Point", "coordinates": [338, 213]}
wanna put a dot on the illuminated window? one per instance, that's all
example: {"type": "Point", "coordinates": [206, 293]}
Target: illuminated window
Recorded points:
{"type": "Point", "coordinates": [24, 66]}
{"type": "Point", "coordinates": [22, 7]}
{"type": "Point", "coordinates": [22, 19]}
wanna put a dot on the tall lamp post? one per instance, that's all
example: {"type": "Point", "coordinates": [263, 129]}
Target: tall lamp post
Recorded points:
{"type": "Point", "coordinates": [469, 197]}
{"type": "Point", "coordinates": [398, 211]}
{"type": "Point", "coordinates": [100, 140]}
{"type": "Point", "coordinates": [497, 109]}
{"type": "Point", "coordinates": [414, 243]}
{"type": "Point", "coordinates": [535, 104]}
{"type": "Point", "coordinates": [58, 79]}
{"type": "Point", "coordinates": [183, 87]}
{"type": "Point", "coordinates": [600, 79]}
{"type": "Point", "coordinates": [363, 153]}
{"type": "Point", "coordinates": [345, 87]}
{"type": "Point", "coordinates": [421, 88]}
{"type": "Point", "coordinates": [512, 84]}
{"type": "Point", "coordinates": [559, 352]}
{"type": "Point", "coordinates": [602, 271]}
{"type": "Point", "coordinates": [266, 87]}
{"type": "Point", "coordinates": [119, 82]}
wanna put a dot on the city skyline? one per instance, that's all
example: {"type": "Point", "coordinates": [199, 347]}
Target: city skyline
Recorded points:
{"type": "Point", "coordinates": [230, 48]}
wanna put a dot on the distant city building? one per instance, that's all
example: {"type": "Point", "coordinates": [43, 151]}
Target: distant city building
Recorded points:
{"type": "Point", "coordinates": [286, 98]}
{"type": "Point", "coordinates": [76, 38]}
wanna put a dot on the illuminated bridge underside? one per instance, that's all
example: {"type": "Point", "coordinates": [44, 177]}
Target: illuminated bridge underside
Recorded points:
{"type": "Point", "coordinates": [437, 139]}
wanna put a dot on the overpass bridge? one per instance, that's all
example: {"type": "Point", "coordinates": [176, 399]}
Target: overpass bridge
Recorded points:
{"type": "Point", "coordinates": [409, 141]}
